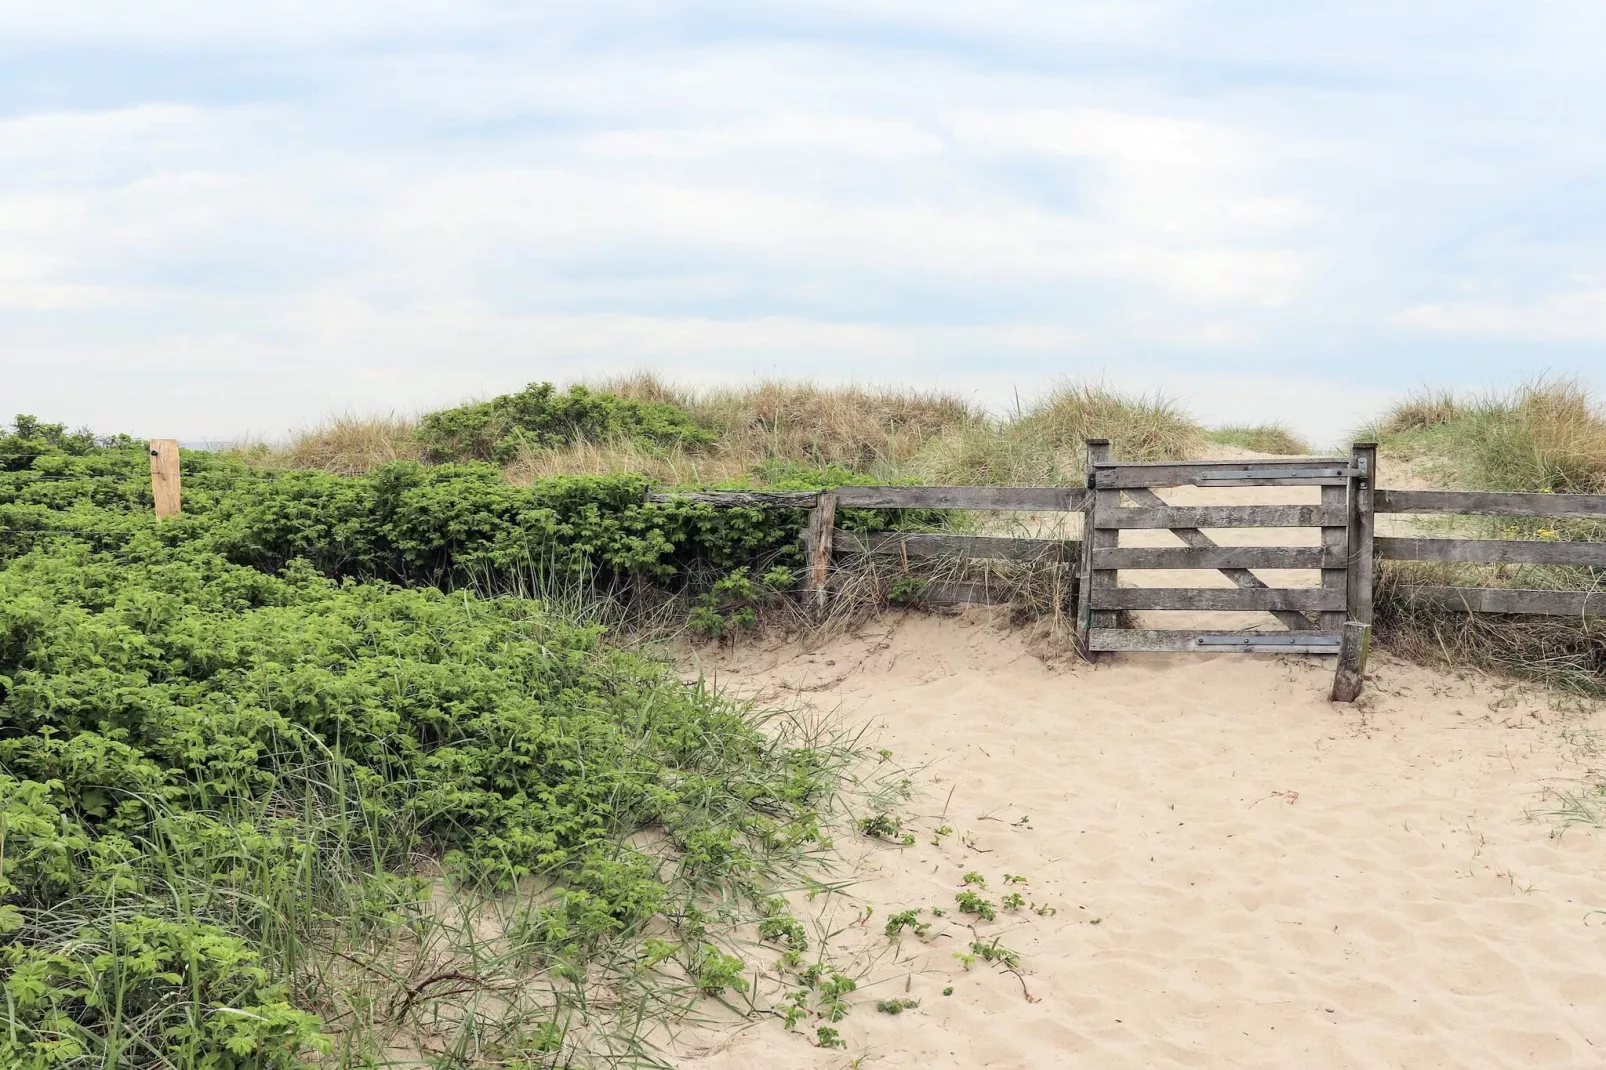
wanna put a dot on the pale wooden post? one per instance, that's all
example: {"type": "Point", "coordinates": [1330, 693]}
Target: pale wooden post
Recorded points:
{"type": "Point", "coordinates": [1351, 671]}
{"type": "Point", "coordinates": [818, 539]}
{"type": "Point", "coordinates": [1098, 451]}
{"type": "Point", "coordinates": [164, 476]}
{"type": "Point", "coordinates": [1362, 561]}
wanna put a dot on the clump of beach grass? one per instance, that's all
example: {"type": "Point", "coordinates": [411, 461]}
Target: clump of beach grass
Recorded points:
{"type": "Point", "coordinates": [1044, 443]}
{"type": "Point", "coordinates": [347, 444]}
{"type": "Point", "coordinates": [1546, 435]}
{"type": "Point", "coordinates": [1260, 438]}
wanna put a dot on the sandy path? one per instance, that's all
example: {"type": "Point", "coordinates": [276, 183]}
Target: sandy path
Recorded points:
{"type": "Point", "coordinates": [1275, 881]}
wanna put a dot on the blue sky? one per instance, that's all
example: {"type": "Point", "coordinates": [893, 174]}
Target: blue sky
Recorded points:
{"type": "Point", "coordinates": [229, 219]}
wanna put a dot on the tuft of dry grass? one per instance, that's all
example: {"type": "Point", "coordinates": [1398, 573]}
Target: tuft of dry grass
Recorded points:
{"type": "Point", "coordinates": [1567, 654]}
{"type": "Point", "coordinates": [1045, 444]}
{"type": "Point", "coordinates": [1546, 435]}
{"type": "Point", "coordinates": [348, 445]}
{"type": "Point", "coordinates": [1426, 408]}
{"type": "Point", "coordinates": [669, 466]}
{"type": "Point", "coordinates": [1141, 427]}
{"type": "Point", "coordinates": [866, 429]}
{"type": "Point", "coordinates": [1261, 438]}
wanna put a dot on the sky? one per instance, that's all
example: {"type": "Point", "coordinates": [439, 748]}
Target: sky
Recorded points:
{"type": "Point", "coordinates": [230, 220]}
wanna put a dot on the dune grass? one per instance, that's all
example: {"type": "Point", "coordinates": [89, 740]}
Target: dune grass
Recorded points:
{"type": "Point", "coordinates": [1261, 438]}
{"type": "Point", "coordinates": [891, 433]}
{"type": "Point", "coordinates": [1044, 443]}
{"type": "Point", "coordinates": [1548, 434]}
{"type": "Point", "coordinates": [347, 444]}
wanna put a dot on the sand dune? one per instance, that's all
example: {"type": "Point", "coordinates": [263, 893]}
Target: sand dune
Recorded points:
{"type": "Point", "coordinates": [1243, 874]}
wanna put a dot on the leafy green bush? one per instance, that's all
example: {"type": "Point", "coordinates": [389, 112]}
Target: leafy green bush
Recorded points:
{"type": "Point", "coordinates": [227, 740]}
{"type": "Point", "coordinates": [538, 417]}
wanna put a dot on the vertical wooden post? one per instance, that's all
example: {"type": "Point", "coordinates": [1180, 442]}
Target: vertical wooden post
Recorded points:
{"type": "Point", "coordinates": [1351, 671]}
{"type": "Point", "coordinates": [1334, 540]}
{"type": "Point", "coordinates": [1362, 562]}
{"type": "Point", "coordinates": [818, 540]}
{"type": "Point", "coordinates": [1098, 451]}
{"type": "Point", "coordinates": [164, 476]}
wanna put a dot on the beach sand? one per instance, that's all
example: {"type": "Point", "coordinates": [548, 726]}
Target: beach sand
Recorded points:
{"type": "Point", "coordinates": [1237, 872]}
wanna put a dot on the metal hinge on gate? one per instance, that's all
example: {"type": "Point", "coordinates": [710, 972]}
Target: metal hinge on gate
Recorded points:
{"type": "Point", "coordinates": [1268, 643]}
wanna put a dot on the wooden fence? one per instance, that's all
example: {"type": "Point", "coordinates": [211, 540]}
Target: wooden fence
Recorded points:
{"type": "Point", "coordinates": [1353, 515]}
{"type": "Point", "coordinates": [1497, 551]}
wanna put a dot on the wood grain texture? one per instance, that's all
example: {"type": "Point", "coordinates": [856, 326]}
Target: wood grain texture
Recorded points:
{"type": "Point", "coordinates": [1022, 499]}
{"type": "Point", "coordinates": [1362, 528]}
{"type": "Point", "coordinates": [1335, 539]}
{"type": "Point", "coordinates": [1221, 516]}
{"type": "Point", "coordinates": [1489, 503]}
{"type": "Point", "coordinates": [900, 544]}
{"type": "Point", "coordinates": [1087, 617]}
{"type": "Point", "coordinates": [1183, 640]}
{"type": "Point", "coordinates": [1350, 673]}
{"type": "Point", "coordinates": [164, 477]}
{"type": "Point", "coordinates": [1175, 474]}
{"type": "Point", "coordinates": [790, 499]}
{"type": "Point", "coordinates": [822, 523]}
{"type": "Point", "coordinates": [1507, 600]}
{"type": "Point", "coordinates": [1221, 598]}
{"type": "Point", "coordinates": [1218, 557]}
{"type": "Point", "coordinates": [1494, 551]}
{"type": "Point", "coordinates": [1193, 537]}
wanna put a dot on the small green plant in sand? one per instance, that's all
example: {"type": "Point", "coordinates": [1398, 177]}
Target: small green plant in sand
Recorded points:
{"type": "Point", "coordinates": [971, 903]}
{"type": "Point", "coordinates": [885, 827]}
{"type": "Point", "coordinates": [896, 1006]}
{"type": "Point", "coordinates": [1013, 901]}
{"type": "Point", "coordinates": [993, 951]}
{"type": "Point", "coordinates": [827, 1037]}
{"type": "Point", "coordinates": [974, 879]}
{"type": "Point", "coordinates": [906, 919]}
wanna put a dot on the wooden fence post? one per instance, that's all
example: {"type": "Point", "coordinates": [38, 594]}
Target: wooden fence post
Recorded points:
{"type": "Point", "coordinates": [1351, 671]}
{"type": "Point", "coordinates": [1098, 450]}
{"type": "Point", "coordinates": [818, 539]}
{"type": "Point", "coordinates": [1362, 562]}
{"type": "Point", "coordinates": [164, 476]}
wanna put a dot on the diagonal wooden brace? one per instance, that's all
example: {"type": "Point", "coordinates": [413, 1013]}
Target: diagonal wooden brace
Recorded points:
{"type": "Point", "coordinates": [1294, 622]}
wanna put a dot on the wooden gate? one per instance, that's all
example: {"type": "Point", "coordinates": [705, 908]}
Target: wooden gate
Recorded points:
{"type": "Point", "coordinates": [1122, 498]}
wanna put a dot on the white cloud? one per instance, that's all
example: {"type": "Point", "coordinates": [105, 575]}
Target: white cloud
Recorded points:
{"type": "Point", "coordinates": [1574, 316]}
{"type": "Point", "coordinates": [252, 212]}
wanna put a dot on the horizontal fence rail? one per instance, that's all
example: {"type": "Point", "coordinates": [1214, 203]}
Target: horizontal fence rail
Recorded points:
{"type": "Point", "coordinates": [764, 499]}
{"type": "Point", "coordinates": [1507, 600]}
{"type": "Point", "coordinates": [1228, 599]}
{"type": "Point", "coordinates": [1013, 499]}
{"type": "Point", "coordinates": [1494, 551]}
{"type": "Point", "coordinates": [1489, 503]}
{"type": "Point", "coordinates": [898, 544]}
{"type": "Point", "coordinates": [1217, 557]}
{"type": "Point", "coordinates": [1223, 516]}
{"type": "Point", "coordinates": [1278, 472]}
{"type": "Point", "coordinates": [1195, 640]}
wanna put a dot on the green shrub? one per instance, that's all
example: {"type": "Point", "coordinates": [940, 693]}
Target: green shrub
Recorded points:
{"type": "Point", "coordinates": [539, 418]}
{"type": "Point", "coordinates": [226, 741]}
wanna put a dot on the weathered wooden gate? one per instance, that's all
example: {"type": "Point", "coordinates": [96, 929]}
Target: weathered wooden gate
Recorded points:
{"type": "Point", "coordinates": [1123, 498]}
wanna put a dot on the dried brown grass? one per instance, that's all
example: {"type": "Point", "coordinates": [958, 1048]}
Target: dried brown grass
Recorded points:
{"type": "Point", "coordinates": [1261, 438]}
{"type": "Point", "coordinates": [1044, 445]}
{"type": "Point", "coordinates": [347, 445]}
